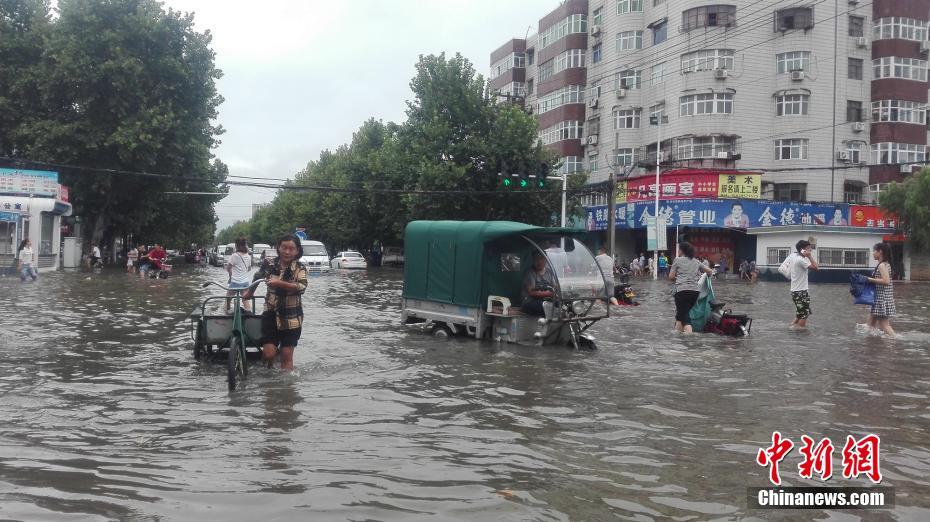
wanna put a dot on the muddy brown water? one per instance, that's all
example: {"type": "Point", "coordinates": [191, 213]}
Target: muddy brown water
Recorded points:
{"type": "Point", "coordinates": [105, 415]}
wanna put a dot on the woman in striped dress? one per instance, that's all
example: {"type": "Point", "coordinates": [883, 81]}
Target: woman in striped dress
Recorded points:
{"type": "Point", "coordinates": [883, 307]}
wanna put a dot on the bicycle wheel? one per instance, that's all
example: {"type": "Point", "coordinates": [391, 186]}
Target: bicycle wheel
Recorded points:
{"type": "Point", "coordinates": [235, 369]}
{"type": "Point", "coordinates": [198, 342]}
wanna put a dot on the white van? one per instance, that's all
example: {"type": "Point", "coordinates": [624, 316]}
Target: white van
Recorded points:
{"type": "Point", "coordinates": [315, 257]}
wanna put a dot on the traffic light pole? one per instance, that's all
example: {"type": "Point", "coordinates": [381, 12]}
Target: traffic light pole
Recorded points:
{"type": "Point", "coordinates": [564, 195]}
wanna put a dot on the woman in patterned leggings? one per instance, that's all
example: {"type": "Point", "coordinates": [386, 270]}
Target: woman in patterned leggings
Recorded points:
{"type": "Point", "coordinates": [883, 307]}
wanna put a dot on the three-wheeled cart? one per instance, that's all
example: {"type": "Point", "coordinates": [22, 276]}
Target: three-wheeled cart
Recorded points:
{"type": "Point", "coordinates": [468, 278]}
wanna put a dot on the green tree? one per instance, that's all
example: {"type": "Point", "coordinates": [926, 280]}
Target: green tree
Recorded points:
{"type": "Point", "coordinates": [24, 26]}
{"type": "Point", "coordinates": [236, 230]}
{"type": "Point", "coordinates": [910, 201]}
{"type": "Point", "coordinates": [125, 85]}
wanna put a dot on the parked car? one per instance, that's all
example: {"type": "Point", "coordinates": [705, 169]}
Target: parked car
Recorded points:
{"type": "Point", "coordinates": [349, 259]}
{"type": "Point", "coordinates": [267, 253]}
{"type": "Point", "coordinates": [392, 256]}
{"type": "Point", "coordinates": [315, 257]}
{"type": "Point", "coordinates": [257, 250]}
{"type": "Point", "coordinates": [223, 252]}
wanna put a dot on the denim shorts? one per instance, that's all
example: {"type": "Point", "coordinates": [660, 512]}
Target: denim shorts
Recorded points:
{"type": "Point", "coordinates": [237, 286]}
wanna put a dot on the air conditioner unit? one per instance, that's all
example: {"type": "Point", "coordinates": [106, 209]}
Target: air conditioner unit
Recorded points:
{"type": "Point", "coordinates": [592, 103]}
{"type": "Point", "coordinates": [797, 76]}
{"type": "Point", "coordinates": [853, 2]}
{"type": "Point", "coordinates": [858, 126]}
{"type": "Point", "coordinates": [906, 168]}
{"type": "Point", "coordinates": [924, 46]}
{"type": "Point", "coordinates": [591, 140]}
{"type": "Point", "coordinates": [724, 155]}
{"type": "Point", "coordinates": [842, 155]}
{"type": "Point", "coordinates": [621, 93]}
{"type": "Point", "coordinates": [595, 30]}
{"type": "Point", "coordinates": [721, 74]}
{"type": "Point", "coordinates": [862, 42]}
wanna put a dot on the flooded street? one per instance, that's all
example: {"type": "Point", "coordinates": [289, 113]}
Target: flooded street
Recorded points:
{"type": "Point", "coordinates": [105, 413]}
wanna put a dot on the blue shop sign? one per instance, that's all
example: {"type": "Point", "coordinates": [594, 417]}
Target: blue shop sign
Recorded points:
{"type": "Point", "coordinates": [718, 213]}
{"type": "Point", "coordinates": [9, 216]}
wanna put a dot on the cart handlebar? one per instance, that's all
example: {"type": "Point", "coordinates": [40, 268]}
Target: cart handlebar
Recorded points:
{"type": "Point", "coordinates": [240, 290]}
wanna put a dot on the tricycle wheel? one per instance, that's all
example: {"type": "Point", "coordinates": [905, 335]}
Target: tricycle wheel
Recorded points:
{"type": "Point", "coordinates": [586, 343]}
{"type": "Point", "coordinates": [235, 370]}
{"type": "Point", "coordinates": [441, 331]}
{"type": "Point", "coordinates": [198, 343]}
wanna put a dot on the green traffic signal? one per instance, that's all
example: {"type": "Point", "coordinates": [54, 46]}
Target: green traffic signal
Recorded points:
{"type": "Point", "coordinates": [541, 183]}
{"type": "Point", "coordinates": [507, 182]}
{"type": "Point", "coordinates": [523, 183]}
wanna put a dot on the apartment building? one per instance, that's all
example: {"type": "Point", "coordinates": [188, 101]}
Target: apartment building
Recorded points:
{"type": "Point", "coordinates": [810, 94]}
{"type": "Point", "coordinates": [817, 102]}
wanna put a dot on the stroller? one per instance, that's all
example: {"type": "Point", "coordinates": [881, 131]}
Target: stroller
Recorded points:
{"type": "Point", "coordinates": [710, 316]}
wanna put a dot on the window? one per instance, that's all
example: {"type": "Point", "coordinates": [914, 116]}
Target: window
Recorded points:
{"type": "Point", "coordinates": [792, 104]}
{"type": "Point", "coordinates": [595, 91]}
{"type": "Point", "coordinates": [791, 192]}
{"type": "Point", "coordinates": [626, 119]}
{"type": "Point", "coordinates": [545, 70]}
{"type": "Point", "coordinates": [655, 111]}
{"type": "Point", "coordinates": [564, 130]}
{"type": "Point", "coordinates": [858, 257]}
{"type": "Point", "coordinates": [775, 256]}
{"type": "Point", "coordinates": [899, 27]}
{"type": "Point", "coordinates": [708, 16]}
{"type": "Point", "coordinates": [853, 110]}
{"type": "Point", "coordinates": [629, 6]}
{"type": "Point", "coordinates": [854, 150]}
{"type": "Point", "coordinates": [597, 16]}
{"type": "Point", "coordinates": [789, 149]}
{"type": "Point", "coordinates": [629, 79]}
{"type": "Point", "coordinates": [567, 94]}
{"type": "Point", "coordinates": [708, 103]}
{"type": "Point", "coordinates": [596, 53]}
{"type": "Point", "coordinates": [899, 111]}
{"type": "Point", "coordinates": [657, 75]}
{"type": "Point", "coordinates": [529, 57]}
{"type": "Point", "coordinates": [592, 163]}
{"type": "Point", "coordinates": [707, 60]}
{"type": "Point", "coordinates": [629, 40]}
{"type": "Point", "coordinates": [659, 32]}
{"type": "Point", "coordinates": [794, 18]}
{"type": "Point", "coordinates": [624, 157]}
{"type": "Point", "coordinates": [705, 146]}
{"type": "Point", "coordinates": [569, 59]}
{"type": "Point", "coordinates": [657, 2]}
{"type": "Point", "coordinates": [576, 23]}
{"type": "Point", "coordinates": [898, 67]}
{"type": "Point", "coordinates": [792, 61]}
{"type": "Point", "coordinates": [529, 87]}
{"type": "Point", "coordinates": [509, 62]}
{"type": "Point", "coordinates": [854, 66]}
{"type": "Point", "coordinates": [856, 26]}
{"type": "Point", "coordinates": [593, 126]}
{"type": "Point", "coordinates": [894, 153]}
{"type": "Point", "coordinates": [852, 193]}
{"type": "Point", "coordinates": [570, 164]}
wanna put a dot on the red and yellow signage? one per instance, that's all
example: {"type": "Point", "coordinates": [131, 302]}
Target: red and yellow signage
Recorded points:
{"type": "Point", "coordinates": [694, 183]}
{"type": "Point", "coordinates": [744, 185]}
{"type": "Point", "coordinates": [870, 217]}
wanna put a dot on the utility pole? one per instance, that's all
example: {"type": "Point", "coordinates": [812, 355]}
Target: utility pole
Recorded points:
{"type": "Point", "coordinates": [611, 200]}
{"type": "Point", "coordinates": [655, 254]}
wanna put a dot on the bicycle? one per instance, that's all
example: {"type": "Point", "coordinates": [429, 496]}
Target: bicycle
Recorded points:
{"type": "Point", "coordinates": [236, 332]}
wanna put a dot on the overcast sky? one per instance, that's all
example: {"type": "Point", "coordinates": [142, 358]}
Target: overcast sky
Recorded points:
{"type": "Point", "coordinates": [301, 76]}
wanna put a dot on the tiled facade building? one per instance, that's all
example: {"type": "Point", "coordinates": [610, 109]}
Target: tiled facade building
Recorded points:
{"type": "Point", "coordinates": [824, 98]}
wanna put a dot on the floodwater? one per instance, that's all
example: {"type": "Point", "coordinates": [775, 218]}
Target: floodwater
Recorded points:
{"type": "Point", "coordinates": [106, 415]}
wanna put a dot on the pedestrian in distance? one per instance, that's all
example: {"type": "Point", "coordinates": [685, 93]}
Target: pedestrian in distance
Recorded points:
{"type": "Point", "coordinates": [144, 263]}
{"type": "Point", "coordinates": [238, 266]}
{"type": "Point", "coordinates": [282, 319]}
{"type": "Point", "coordinates": [27, 261]}
{"type": "Point", "coordinates": [744, 270]}
{"type": "Point", "coordinates": [753, 271]}
{"type": "Point", "coordinates": [800, 265]}
{"type": "Point", "coordinates": [95, 256]}
{"type": "Point", "coordinates": [606, 264]}
{"type": "Point", "coordinates": [686, 273]}
{"type": "Point", "coordinates": [883, 308]}
{"type": "Point", "coordinates": [663, 264]}
{"type": "Point", "coordinates": [132, 257]}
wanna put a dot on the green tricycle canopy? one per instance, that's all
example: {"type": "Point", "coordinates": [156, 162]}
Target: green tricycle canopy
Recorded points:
{"type": "Point", "coordinates": [454, 262]}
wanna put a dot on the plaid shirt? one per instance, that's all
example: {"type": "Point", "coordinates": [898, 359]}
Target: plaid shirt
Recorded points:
{"type": "Point", "coordinates": [289, 313]}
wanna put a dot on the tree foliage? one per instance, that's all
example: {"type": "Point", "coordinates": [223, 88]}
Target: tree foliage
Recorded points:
{"type": "Point", "coordinates": [456, 138]}
{"type": "Point", "coordinates": [122, 85]}
{"type": "Point", "coordinates": [910, 201]}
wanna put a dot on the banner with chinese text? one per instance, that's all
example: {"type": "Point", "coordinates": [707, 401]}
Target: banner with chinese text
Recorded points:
{"type": "Point", "coordinates": [28, 182]}
{"type": "Point", "coordinates": [747, 186]}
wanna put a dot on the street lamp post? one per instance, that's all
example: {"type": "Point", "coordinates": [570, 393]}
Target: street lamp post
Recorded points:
{"type": "Point", "coordinates": [655, 254]}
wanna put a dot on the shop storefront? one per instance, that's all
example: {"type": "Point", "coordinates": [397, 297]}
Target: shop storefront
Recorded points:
{"type": "Point", "coordinates": [31, 206]}
{"type": "Point", "coordinates": [738, 228]}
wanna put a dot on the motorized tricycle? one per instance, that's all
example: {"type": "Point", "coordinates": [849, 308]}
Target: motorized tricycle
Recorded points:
{"type": "Point", "coordinates": [469, 278]}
